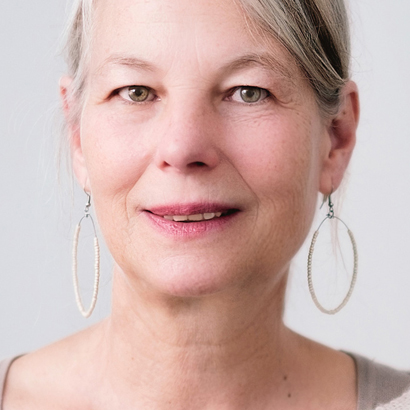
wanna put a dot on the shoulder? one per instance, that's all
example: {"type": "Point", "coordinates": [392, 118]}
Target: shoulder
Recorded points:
{"type": "Point", "coordinates": [380, 386]}
{"type": "Point", "coordinates": [47, 378]}
{"type": "Point", "coordinates": [4, 369]}
{"type": "Point", "coordinates": [21, 379]}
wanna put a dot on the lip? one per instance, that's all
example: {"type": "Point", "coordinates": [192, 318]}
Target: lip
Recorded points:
{"type": "Point", "coordinates": [190, 230]}
{"type": "Point", "coordinates": [190, 209]}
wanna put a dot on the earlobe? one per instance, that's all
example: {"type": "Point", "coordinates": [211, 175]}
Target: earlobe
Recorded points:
{"type": "Point", "coordinates": [65, 94]}
{"type": "Point", "coordinates": [79, 164]}
{"type": "Point", "coordinates": [342, 135]}
{"type": "Point", "coordinates": [70, 106]}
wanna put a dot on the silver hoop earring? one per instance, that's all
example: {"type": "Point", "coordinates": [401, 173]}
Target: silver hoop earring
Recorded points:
{"type": "Point", "coordinates": [86, 313]}
{"type": "Point", "coordinates": [330, 216]}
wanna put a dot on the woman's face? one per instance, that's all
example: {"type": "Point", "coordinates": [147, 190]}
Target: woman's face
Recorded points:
{"type": "Point", "coordinates": [202, 146]}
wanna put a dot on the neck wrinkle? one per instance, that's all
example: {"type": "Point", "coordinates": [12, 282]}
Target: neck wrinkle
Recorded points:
{"type": "Point", "coordinates": [195, 351]}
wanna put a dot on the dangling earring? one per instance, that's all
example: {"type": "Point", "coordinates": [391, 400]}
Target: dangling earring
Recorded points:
{"type": "Point", "coordinates": [86, 313]}
{"type": "Point", "coordinates": [330, 216]}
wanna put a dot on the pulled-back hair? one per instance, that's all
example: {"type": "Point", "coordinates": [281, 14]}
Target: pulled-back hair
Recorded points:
{"type": "Point", "coordinates": [314, 32]}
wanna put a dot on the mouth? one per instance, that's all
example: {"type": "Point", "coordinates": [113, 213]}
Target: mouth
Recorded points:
{"type": "Point", "coordinates": [193, 220]}
{"type": "Point", "coordinates": [196, 217]}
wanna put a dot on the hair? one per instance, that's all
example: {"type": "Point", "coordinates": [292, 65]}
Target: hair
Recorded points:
{"type": "Point", "coordinates": [314, 32]}
{"type": "Point", "coordinates": [77, 45]}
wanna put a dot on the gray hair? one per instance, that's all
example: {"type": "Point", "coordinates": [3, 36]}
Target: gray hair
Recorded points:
{"type": "Point", "coordinates": [314, 32]}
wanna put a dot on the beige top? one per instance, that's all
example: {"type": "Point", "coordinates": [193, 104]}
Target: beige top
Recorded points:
{"type": "Point", "coordinates": [379, 387]}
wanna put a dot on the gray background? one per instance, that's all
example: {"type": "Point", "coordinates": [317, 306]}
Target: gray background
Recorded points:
{"type": "Point", "coordinates": [38, 210]}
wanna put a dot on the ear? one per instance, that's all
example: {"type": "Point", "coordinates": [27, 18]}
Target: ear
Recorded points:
{"type": "Point", "coordinates": [71, 114]}
{"type": "Point", "coordinates": [342, 135]}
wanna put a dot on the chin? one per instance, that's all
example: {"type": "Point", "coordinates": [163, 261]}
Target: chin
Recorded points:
{"type": "Point", "coordinates": [186, 278]}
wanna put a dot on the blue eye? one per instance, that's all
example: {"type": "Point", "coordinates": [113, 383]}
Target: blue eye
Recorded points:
{"type": "Point", "coordinates": [249, 95]}
{"type": "Point", "coordinates": [136, 93]}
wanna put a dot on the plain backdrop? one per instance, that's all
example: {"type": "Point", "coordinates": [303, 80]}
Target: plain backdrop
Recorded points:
{"type": "Point", "coordinates": [38, 211]}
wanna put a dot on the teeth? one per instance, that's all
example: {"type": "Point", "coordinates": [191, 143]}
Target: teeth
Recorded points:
{"type": "Point", "coordinates": [194, 218]}
{"type": "Point", "coordinates": [180, 218]}
{"type": "Point", "coordinates": [197, 217]}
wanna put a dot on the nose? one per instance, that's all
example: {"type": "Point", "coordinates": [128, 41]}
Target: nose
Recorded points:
{"type": "Point", "coordinates": [189, 139]}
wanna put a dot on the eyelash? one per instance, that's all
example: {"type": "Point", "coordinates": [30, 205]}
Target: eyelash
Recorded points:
{"type": "Point", "coordinates": [266, 95]}
{"type": "Point", "coordinates": [117, 93]}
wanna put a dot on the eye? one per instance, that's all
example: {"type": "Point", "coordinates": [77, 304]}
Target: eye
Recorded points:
{"type": "Point", "coordinates": [249, 95]}
{"type": "Point", "coordinates": [136, 93]}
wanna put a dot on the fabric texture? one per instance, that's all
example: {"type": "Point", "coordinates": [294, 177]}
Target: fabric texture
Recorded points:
{"type": "Point", "coordinates": [401, 403]}
{"type": "Point", "coordinates": [379, 387]}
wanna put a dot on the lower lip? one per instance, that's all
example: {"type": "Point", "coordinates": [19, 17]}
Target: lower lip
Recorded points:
{"type": "Point", "coordinates": [190, 229]}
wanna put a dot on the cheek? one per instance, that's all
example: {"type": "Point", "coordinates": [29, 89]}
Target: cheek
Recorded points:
{"type": "Point", "coordinates": [278, 156]}
{"type": "Point", "coordinates": [116, 156]}
{"type": "Point", "coordinates": [280, 162]}
{"type": "Point", "coordinates": [116, 153]}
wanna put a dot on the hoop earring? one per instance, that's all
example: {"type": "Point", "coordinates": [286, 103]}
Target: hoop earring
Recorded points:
{"type": "Point", "coordinates": [86, 313]}
{"type": "Point", "coordinates": [330, 216]}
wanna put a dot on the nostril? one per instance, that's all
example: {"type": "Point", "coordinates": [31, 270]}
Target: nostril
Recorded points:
{"type": "Point", "coordinates": [186, 157]}
{"type": "Point", "coordinates": [197, 164]}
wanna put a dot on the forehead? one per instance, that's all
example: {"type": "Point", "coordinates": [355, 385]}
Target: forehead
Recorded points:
{"type": "Point", "coordinates": [204, 33]}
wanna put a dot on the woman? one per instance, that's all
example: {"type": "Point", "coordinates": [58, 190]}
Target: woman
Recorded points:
{"type": "Point", "coordinates": [204, 132]}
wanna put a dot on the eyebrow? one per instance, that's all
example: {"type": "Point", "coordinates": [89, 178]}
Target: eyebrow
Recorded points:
{"type": "Point", "coordinates": [127, 61]}
{"type": "Point", "coordinates": [264, 60]}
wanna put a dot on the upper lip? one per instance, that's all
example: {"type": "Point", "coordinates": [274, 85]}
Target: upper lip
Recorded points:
{"type": "Point", "coordinates": [191, 208]}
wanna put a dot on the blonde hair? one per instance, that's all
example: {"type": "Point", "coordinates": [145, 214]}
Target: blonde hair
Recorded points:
{"type": "Point", "coordinates": [314, 32]}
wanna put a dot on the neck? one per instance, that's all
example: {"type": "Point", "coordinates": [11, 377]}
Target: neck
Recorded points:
{"type": "Point", "coordinates": [197, 350]}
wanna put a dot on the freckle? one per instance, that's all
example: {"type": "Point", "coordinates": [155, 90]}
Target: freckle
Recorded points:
{"type": "Point", "coordinates": [285, 377]}
{"type": "Point", "coordinates": [289, 395]}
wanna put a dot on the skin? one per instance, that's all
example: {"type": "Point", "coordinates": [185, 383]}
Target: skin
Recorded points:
{"type": "Point", "coordinates": [196, 321]}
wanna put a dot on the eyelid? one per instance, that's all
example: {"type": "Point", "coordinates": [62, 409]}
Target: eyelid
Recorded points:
{"type": "Point", "coordinates": [123, 93]}
{"type": "Point", "coordinates": [264, 91]}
